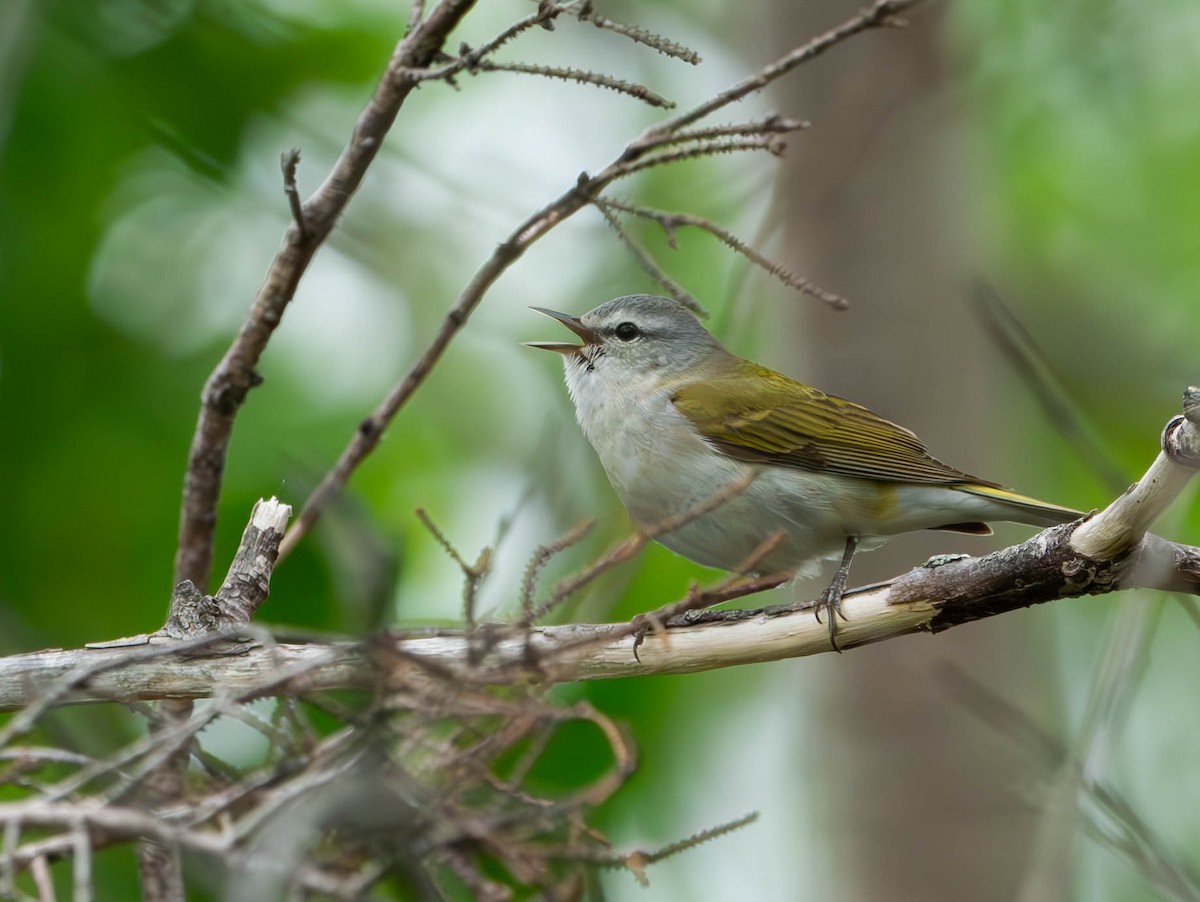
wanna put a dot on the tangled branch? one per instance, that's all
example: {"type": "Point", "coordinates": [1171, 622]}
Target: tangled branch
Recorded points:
{"type": "Point", "coordinates": [411, 758]}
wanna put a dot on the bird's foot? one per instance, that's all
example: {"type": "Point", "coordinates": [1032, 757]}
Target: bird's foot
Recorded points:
{"type": "Point", "coordinates": [830, 601]}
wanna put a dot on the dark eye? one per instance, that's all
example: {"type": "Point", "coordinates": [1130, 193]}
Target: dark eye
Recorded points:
{"type": "Point", "coordinates": [627, 332]}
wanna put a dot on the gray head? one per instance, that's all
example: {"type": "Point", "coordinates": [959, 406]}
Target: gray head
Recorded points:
{"type": "Point", "coordinates": [636, 335]}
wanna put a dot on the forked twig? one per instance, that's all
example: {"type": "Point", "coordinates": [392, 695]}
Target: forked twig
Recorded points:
{"type": "Point", "coordinates": [632, 545]}
{"type": "Point", "coordinates": [540, 558]}
{"type": "Point", "coordinates": [881, 13]}
{"type": "Point", "coordinates": [671, 221]}
{"type": "Point", "coordinates": [473, 574]}
{"type": "Point", "coordinates": [648, 263]}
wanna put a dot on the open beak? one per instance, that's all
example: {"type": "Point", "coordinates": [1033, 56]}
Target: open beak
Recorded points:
{"type": "Point", "coordinates": [571, 322]}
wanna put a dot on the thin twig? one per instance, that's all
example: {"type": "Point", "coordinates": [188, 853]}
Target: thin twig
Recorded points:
{"type": "Point", "coordinates": [586, 13]}
{"type": "Point", "coordinates": [648, 263]}
{"type": "Point", "coordinates": [473, 574]}
{"type": "Point", "coordinates": [469, 57]}
{"type": "Point", "coordinates": [702, 837]}
{"type": "Point", "coordinates": [771, 125]}
{"type": "Point", "coordinates": [698, 150]}
{"type": "Point", "coordinates": [584, 77]}
{"type": "Point", "coordinates": [676, 613]}
{"type": "Point", "coordinates": [440, 538]}
{"type": "Point", "coordinates": [288, 162]}
{"type": "Point", "coordinates": [541, 557]}
{"type": "Point", "coordinates": [671, 221]}
{"type": "Point", "coordinates": [632, 545]}
{"type": "Point", "coordinates": [879, 14]}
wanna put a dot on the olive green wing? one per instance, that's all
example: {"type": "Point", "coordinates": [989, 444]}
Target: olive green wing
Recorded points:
{"type": "Point", "coordinates": [758, 415]}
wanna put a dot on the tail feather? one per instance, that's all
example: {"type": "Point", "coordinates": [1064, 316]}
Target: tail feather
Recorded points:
{"type": "Point", "coordinates": [1023, 509]}
{"type": "Point", "coordinates": [968, 529]}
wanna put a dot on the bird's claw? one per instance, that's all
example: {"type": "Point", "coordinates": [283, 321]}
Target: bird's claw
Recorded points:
{"type": "Point", "coordinates": [830, 601]}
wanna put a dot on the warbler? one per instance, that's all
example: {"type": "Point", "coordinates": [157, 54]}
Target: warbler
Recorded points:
{"type": "Point", "coordinates": [676, 420]}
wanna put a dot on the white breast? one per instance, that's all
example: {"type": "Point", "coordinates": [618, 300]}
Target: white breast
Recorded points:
{"type": "Point", "coordinates": [661, 468]}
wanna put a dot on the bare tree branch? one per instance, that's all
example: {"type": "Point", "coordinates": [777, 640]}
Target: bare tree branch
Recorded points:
{"type": "Point", "coordinates": [1127, 519]}
{"type": "Point", "coordinates": [926, 599]}
{"type": "Point", "coordinates": [647, 262]}
{"type": "Point", "coordinates": [881, 13]}
{"type": "Point", "coordinates": [235, 375]}
{"type": "Point", "coordinates": [671, 221]}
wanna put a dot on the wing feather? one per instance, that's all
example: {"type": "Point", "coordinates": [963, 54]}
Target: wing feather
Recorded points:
{"type": "Point", "coordinates": [777, 420]}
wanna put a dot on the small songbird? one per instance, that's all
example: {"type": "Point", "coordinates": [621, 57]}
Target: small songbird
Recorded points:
{"type": "Point", "coordinates": [676, 420]}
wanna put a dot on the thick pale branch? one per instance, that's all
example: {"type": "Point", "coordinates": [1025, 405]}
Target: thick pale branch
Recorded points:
{"type": "Point", "coordinates": [1123, 523]}
{"type": "Point", "coordinates": [927, 599]}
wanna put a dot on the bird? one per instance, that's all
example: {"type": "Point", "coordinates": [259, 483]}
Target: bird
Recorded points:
{"type": "Point", "coordinates": [717, 456]}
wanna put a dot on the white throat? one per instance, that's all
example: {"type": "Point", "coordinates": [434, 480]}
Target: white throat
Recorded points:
{"type": "Point", "coordinates": [611, 399]}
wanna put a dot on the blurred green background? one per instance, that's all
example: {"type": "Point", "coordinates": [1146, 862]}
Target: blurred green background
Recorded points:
{"type": "Point", "coordinates": [1050, 149]}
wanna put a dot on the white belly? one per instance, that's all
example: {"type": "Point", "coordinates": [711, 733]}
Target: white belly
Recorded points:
{"type": "Point", "coordinates": [797, 511]}
{"type": "Point", "coordinates": [668, 471]}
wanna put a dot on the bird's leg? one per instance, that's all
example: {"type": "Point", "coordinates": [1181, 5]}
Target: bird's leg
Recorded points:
{"type": "Point", "coordinates": [830, 600]}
